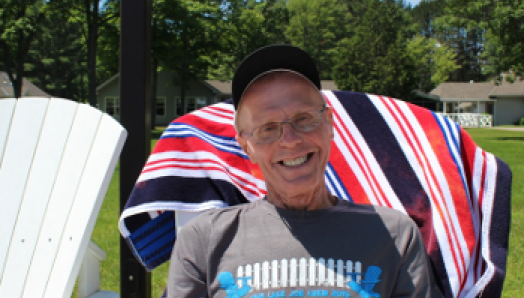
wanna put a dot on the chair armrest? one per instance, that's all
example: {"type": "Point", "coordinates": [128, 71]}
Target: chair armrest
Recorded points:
{"type": "Point", "coordinates": [89, 275]}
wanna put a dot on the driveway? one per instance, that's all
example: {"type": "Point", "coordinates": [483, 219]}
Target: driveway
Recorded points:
{"type": "Point", "coordinates": [510, 128]}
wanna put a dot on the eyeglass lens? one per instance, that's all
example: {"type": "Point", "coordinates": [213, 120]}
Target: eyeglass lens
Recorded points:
{"type": "Point", "coordinates": [301, 122]}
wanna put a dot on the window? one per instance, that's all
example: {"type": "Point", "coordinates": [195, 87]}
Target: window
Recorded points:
{"type": "Point", "coordinates": [113, 106]}
{"type": "Point", "coordinates": [200, 103]}
{"type": "Point", "coordinates": [191, 104]}
{"type": "Point", "coordinates": [160, 106]}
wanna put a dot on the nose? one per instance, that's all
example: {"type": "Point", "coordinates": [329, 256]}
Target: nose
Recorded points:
{"type": "Point", "coordinates": [290, 137]}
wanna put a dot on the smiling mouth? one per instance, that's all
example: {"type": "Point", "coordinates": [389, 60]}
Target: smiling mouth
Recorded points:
{"type": "Point", "coordinates": [297, 161]}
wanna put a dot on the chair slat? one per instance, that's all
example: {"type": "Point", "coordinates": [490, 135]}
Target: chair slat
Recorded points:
{"type": "Point", "coordinates": [65, 189]}
{"type": "Point", "coordinates": [92, 188]}
{"type": "Point", "coordinates": [7, 107]}
{"type": "Point", "coordinates": [22, 139]}
{"type": "Point", "coordinates": [53, 137]}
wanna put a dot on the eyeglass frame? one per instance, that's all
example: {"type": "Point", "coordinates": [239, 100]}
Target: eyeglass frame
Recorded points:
{"type": "Point", "coordinates": [281, 126]}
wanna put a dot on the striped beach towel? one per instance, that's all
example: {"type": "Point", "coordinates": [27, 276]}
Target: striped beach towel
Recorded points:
{"type": "Point", "coordinates": [385, 152]}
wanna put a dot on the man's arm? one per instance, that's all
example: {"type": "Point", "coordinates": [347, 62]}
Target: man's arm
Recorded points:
{"type": "Point", "coordinates": [187, 276]}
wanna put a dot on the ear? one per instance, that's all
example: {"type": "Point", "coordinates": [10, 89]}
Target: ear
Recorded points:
{"type": "Point", "coordinates": [245, 146]}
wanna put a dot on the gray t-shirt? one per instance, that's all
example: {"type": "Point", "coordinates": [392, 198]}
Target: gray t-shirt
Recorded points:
{"type": "Point", "coordinates": [257, 250]}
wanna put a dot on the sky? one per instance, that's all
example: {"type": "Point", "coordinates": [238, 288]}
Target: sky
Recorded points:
{"type": "Point", "coordinates": [413, 2]}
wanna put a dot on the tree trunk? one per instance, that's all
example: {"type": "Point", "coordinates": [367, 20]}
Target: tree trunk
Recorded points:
{"type": "Point", "coordinates": [183, 89]}
{"type": "Point", "coordinates": [92, 39]}
{"type": "Point", "coordinates": [15, 63]}
{"type": "Point", "coordinates": [154, 67]}
{"type": "Point", "coordinates": [82, 97]}
{"type": "Point", "coordinates": [183, 76]}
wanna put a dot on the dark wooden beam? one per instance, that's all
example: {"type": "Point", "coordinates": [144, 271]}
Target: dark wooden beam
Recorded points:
{"type": "Point", "coordinates": [135, 116]}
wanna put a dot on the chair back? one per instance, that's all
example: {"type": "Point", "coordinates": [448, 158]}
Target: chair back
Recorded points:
{"type": "Point", "coordinates": [57, 158]}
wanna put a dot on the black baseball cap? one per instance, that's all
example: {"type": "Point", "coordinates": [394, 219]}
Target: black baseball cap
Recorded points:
{"type": "Point", "coordinates": [273, 57]}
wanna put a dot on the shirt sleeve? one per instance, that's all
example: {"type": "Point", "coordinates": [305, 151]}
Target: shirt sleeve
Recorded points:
{"type": "Point", "coordinates": [187, 271]}
{"type": "Point", "coordinates": [415, 276]}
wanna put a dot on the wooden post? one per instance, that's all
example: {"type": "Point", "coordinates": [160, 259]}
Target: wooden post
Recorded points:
{"type": "Point", "coordinates": [135, 116]}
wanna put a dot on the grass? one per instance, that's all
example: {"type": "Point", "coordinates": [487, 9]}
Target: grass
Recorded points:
{"type": "Point", "coordinates": [507, 145]}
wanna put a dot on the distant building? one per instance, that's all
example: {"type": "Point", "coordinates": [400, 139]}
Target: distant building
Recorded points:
{"type": "Point", "coordinates": [168, 103]}
{"type": "Point", "coordinates": [28, 88]}
{"type": "Point", "coordinates": [505, 102]}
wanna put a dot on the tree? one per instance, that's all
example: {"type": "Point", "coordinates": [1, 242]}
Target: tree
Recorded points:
{"type": "Point", "coordinates": [94, 15]}
{"type": "Point", "coordinates": [316, 26]}
{"type": "Point", "coordinates": [464, 27]}
{"type": "Point", "coordinates": [108, 59]}
{"type": "Point", "coordinates": [433, 62]}
{"type": "Point", "coordinates": [505, 31]}
{"type": "Point", "coordinates": [425, 14]}
{"type": "Point", "coordinates": [191, 30]}
{"type": "Point", "coordinates": [378, 63]}
{"type": "Point", "coordinates": [247, 26]}
{"type": "Point", "coordinates": [56, 61]}
{"type": "Point", "coordinates": [20, 23]}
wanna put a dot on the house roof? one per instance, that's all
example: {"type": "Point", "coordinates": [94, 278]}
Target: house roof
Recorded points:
{"type": "Point", "coordinates": [328, 85]}
{"type": "Point", "coordinates": [224, 87]}
{"type": "Point", "coordinates": [506, 88]}
{"type": "Point", "coordinates": [111, 79]}
{"type": "Point", "coordinates": [28, 88]}
{"type": "Point", "coordinates": [461, 90]}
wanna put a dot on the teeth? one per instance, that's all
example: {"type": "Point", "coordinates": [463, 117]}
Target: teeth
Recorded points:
{"type": "Point", "coordinates": [295, 162]}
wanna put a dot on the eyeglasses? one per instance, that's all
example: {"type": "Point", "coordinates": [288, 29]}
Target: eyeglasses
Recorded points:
{"type": "Point", "coordinates": [301, 122]}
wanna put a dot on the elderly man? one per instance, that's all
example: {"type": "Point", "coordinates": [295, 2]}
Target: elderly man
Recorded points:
{"type": "Point", "coordinates": [299, 241]}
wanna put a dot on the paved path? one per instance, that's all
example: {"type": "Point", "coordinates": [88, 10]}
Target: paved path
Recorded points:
{"type": "Point", "coordinates": [510, 128]}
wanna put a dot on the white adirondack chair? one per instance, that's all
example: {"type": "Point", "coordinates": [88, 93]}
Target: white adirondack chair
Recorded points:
{"type": "Point", "coordinates": [56, 161]}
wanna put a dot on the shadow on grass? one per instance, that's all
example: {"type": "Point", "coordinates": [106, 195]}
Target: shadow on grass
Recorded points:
{"type": "Point", "coordinates": [521, 139]}
{"type": "Point", "coordinates": [157, 132]}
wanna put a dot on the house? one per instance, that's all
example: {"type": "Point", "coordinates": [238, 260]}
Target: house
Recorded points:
{"type": "Point", "coordinates": [505, 102]}
{"type": "Point", "coordinates": [168, 103]}
{"type": "Point", "coordinates": [28, 88]}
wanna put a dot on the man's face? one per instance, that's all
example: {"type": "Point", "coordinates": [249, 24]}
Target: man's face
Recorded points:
{"type": "Point", "coordinates": [294, 165]}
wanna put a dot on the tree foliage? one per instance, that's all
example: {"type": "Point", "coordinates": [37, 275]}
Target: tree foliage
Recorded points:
{"type": "Point", "coordinates": [496, 31]}
{"type": "Point", "coordinates": [186, 33]}
{"type": "Point", "coordinates": [56, 60]}
{"type": "Point", "coordinates": [316, 27]}
{"type": "Point", "coordinates": [425, 14]}
{"type": "Point", "coordinates": [68, 47]}
{"type": "Point", "coordinates": [379, 62]}
{"type": "Point", "coordinates": [434, 62]}
{"type": "Point", "coordinates": [20, 23]}
{"type": "Point", "coordinates": [247, 25]}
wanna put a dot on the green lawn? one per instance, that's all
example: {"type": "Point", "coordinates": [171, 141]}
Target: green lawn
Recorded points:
{"type": "Point", "coordinates": [507, 145]}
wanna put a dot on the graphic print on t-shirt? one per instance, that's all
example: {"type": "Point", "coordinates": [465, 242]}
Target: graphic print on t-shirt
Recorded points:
{"type": "Point", "coordinates": [301, 278]}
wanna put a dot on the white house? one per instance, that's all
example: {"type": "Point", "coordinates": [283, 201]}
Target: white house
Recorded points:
{"type": "Point", "coordinates": [505, 102]}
